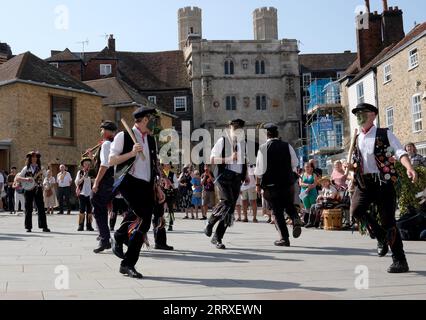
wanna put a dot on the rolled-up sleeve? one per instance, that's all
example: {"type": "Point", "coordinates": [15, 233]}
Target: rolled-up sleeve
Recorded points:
{"type": "Point", "coordinates": [117, 146]}
{"type": "Point", "coordinates": [260, 162]}
{"type": "Point", "coordinates": [106, 147]}
{"type": "Point", "coordinates": [396, 145]}
{"type": "Point", "coordinates": [217, 150]}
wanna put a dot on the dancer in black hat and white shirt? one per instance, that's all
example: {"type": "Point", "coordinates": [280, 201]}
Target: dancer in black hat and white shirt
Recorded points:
{"type": "Point", "coordinates": [137, 187]}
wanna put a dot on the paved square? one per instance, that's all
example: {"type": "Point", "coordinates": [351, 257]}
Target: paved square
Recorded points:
{"type": "Point", "coordinates": [319, 265]}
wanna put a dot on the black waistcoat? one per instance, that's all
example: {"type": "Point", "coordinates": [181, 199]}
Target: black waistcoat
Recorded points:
{"type": "Point", "coordinates": [278, 171]}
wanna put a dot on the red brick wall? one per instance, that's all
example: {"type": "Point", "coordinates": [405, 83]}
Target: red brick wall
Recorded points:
{"type": "Point", "coordinates": [74, 69]}
{"type": "Point", "coordinates": [92, 69]}
{"type": "Point", "coordinates": [370, 40]}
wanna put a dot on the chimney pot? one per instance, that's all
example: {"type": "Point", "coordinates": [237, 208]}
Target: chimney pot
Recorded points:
{"type": "Point", "coordinates": [367, 4]}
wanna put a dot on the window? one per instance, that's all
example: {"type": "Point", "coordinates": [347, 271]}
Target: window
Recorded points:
{"type": "Point", "coordinates": [306, 102]}
{"type": "Point", "coordinates": [62, 117]}
{"type": "Point", "coordinates": [260, 67]}
{"type": "Point", "coordinates": [416, 111]}
{"type": "Point", "coordinates": [387, 73]}
{"type": "Point", "coordinates": [413, 59]}
{"type": "Point", "coordinates": [421, 149]}
{"type": "Point", "coordinates": [55, 64]}
{"type": "Point", "coordinates": [360, 92]}
{"type": "Point", "coordinates": [389, 118]}
{"type": "Point", "coordinates": [261, 103]}
{"type": "Point", "coordinates": [231, 103]}
{"type": "Point", "coordinates": [229, 67]}
{"type": "Point", "coordinates": [152, 99]}
{"type": "Point", "coordinates": [105, 69]}
{"type": "Point", "coordinates": [307, 79]}
{"type": "Point", "coordinates": [180, 104]}
{"type": "Point", "coordinates": [338, 129]}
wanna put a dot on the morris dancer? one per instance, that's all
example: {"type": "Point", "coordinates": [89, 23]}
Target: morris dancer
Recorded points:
{"type": "Point", "coordinates": [375, 175]}
{"type": "Point", "coordinates": [83, 182]}
{"type": "Point", "coordinates": [137, 187]}
{"type": "Point", "coordinates": [33, 170]}
{"type": "Point", "coordinates": [232, 173]}
{"type": "Point", "coordinates": [103, 186]}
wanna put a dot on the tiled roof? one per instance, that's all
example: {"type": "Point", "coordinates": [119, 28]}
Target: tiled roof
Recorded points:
{"type": "Point", "coordinates": [154, 71]}
{"type": "Point", "coordinates": [29, 67]}
{"type": "Point", "coordinates": [326, 61]}
{"type": "Point", "coordinates": [65, 55]}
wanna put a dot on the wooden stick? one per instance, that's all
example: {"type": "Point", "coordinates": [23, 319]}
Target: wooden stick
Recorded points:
{"type": "Point", "coordinates": [351, 151]}
{"type": "Point", "coordinates": [132, 135]}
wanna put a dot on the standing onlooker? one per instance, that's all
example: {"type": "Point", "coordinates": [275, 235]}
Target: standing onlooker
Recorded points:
{"type": "Point", "coordinates": [207, 181]}
{"type": "Point", "coordinates": [19, 195]}
{"type": "Point", "coordinates": [185, 190]}
{"type": "Point", "coordinates": [11, 191]}
{"type": "Point", "coordinates": [197, 191]}
{"type": "Point", "coordinates": [49, 194]}
{"type": "Point", "coordinates": [308, 184]}
{"type": "Point", "coordinates": [64, 181]}
{"type": "Point", "coordinates": [83, 182]}
{"type": "Point", "coordinates": [248, 194]}
{"type": "Point", "coordinates": [416, 159]}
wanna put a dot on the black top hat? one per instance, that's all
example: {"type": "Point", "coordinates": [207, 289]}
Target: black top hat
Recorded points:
{"type": "Point", "coordinates": [365, 107]}
{"type": "Point", "coordinates": [33, 153]}
{"type": "Point", "coordinates": [143, 112]}
{"type": "Point", "coordinates": [237, 122]}
{"type": "Point", "coordinates": [109, 125]}
{"type": "Point", "coordinates": [84, 160]}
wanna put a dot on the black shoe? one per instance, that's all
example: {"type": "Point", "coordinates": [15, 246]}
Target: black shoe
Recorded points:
{"type": "Point", "coordinates": [102, 247]}
{"type": "Point", "coordinates": [90, 228]}
{"type": "Point", "coordinates": [60, 213]}
{"type": "Point", "coordinates": [163, 247]}
{"type": "Point", "coordinates": [220, 246]}
{"type": "Point", "coordinates": [382, 248]}
{"type": "Point", "coordinates": [282, 243]}
{"type": "Point", "coordinates": [28, 231]}
{"type": "Point", "coordinates": [170, 228]}
{"type": "Point", "coordinates": [47, 230]}
{"type": "Point", "coordinates": [208, 231]}
{"type": "Point", "coordinates": [117, 249]}
{"type": "Point", "coordinates": [309, 225]}
{"type": "Point", "coordinates": [399, 267]}
{"type": "Point", "coordinates": [297, 231]}
{"type": "Point", "coordinates": [203, 218]}
{"type": "Point", "coordinates": [131, 272]}
{"type": "Point", "coordinates": [80, 228]}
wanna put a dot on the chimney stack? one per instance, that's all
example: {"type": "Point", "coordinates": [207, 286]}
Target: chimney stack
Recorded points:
{"type": "Point", "coordinates": [367, 4]}
{"type": "Point", "coordinates": [369, 37]}
{"type": "Point", "coordinates": [111, 43]}
{"type": "Point", "coordinates": [392, 25]}
{"type": "Point", "coordinates": [5, 52]}
{"type": "Point", "coordinates": [385, 5]}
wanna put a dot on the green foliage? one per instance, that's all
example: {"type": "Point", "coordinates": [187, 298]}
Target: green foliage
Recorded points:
{"type": "Point", "coordinates": [406, 190]}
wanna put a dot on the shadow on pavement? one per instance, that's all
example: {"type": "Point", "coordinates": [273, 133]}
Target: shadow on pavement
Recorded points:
{"type": "Point", "coordinates": [243, 283]}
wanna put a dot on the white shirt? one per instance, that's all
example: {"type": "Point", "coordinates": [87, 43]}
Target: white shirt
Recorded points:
{"type": "Point", "coordinates": [366, 143]}
{"type": "Point", "coordinates": [48, 181]}
{"type": "Point", "coordinates": [252, 183]}
{"type": "Point", "coordinates": [236, 166]}
{"type": "Point", "coordinates": [25, 170]}
{"type": "Point", "coordinates": [104, 154]}
{"type": "Point", "coordinates": [142, 168]}
{"type": "Point", "coordinates": [261, 167]}
{"type": "Point", "coordinates": [86, 190]}
{"type": "Point", "coordinates": [1, 182]}
{"type": "Point", "coordinates": [64, 180]}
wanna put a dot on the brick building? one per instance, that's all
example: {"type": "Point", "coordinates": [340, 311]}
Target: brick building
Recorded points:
{"type": "Point", "coordinates": [401, 88]}
{"type": "Point", "coordinates": [45, 109]}
{"type": "Point", "coordinates": [159, 76]}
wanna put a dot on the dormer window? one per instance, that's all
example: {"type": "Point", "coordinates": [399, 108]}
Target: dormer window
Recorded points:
{"type": "Point", "coordinates": [105, 69]}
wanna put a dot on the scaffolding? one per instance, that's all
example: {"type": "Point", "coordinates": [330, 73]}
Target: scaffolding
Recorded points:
{"type": "Point", "coordinates": [324, 122]}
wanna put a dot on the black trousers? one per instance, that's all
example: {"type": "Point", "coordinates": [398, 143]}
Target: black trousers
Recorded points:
{"type": "Point", "coordinates": [11, 199]}
{"type": "Point", "coordinates": [160, 235]}
{"type": "Point", "coordinates": [384, 196]}
{"type": "Point", "coordinates": [229, 191]}
{"type": "Point", "coordinates": [100, 201]}
{"type": "Point", "coordinates": [170, 201]}
{"type": "Point", "coordinates": [280, 199]}
{"type": "Point", "coordinates": [139, 195]}
{"type": "Point", "coordinates": [36, 196]}
{"type": "Point", "coordinates": [85, 204]}
{"type": "Point", "coordinates": [64, 195]}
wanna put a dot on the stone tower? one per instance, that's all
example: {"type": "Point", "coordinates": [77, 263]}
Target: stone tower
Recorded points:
{"type": "Point", "coordinates": [265, 24]}
{"type": "Point", "coordinates": [190, 23]}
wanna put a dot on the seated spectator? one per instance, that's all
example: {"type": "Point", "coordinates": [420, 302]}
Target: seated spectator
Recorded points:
{"type": "Point", "coordinates": [327, 199]}
{"type": "Point", "coordinates": [416, 159]}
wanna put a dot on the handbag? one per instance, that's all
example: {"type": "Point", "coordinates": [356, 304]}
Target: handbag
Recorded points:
{"type": "Point", "coordinates": [49, 192]}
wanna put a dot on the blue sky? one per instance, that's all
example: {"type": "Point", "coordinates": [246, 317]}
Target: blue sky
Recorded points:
{"type": "Point", "coordinates": [151, 25]}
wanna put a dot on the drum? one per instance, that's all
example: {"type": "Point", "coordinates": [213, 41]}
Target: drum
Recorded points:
{"type": "Point", "coordinates": [332, 219]}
